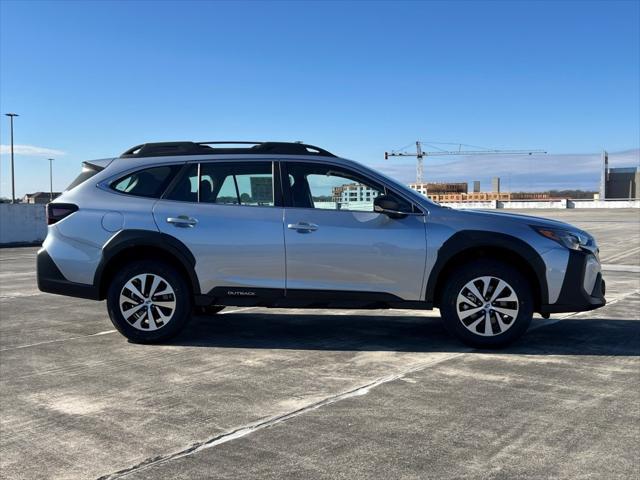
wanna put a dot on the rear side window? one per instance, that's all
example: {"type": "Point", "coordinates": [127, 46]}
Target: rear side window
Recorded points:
{"type": "Point", "coordinates": [150, 182]}
{"type": "Point", "coordinates": [226, 184]}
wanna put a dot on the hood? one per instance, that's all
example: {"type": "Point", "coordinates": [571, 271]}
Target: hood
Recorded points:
{"type": "Point", "coordinates": [519, 218]}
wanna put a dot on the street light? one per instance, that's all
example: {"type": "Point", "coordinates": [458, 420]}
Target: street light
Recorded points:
{"type": "Point", "coordinates": [13, 181]}
{"type": "Point", "coordinates": [50, 179]}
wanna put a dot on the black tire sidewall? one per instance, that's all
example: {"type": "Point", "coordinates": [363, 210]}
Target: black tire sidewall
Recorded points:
{"type": "Point", "coordinates": [461, 276]}
{"type": "Point", "coordinates": [181, 314]}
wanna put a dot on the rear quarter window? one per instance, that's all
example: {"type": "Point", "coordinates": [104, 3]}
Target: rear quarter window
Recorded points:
{"type": "Point", "coordinates": [150, 182]}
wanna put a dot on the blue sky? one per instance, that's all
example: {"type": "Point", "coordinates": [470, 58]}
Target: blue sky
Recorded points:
{"type": "Point", "coordinates": [91, 79]}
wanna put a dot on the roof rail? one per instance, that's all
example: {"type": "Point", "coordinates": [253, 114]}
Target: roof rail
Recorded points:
{"type": "Point", "coordinates": [161, 149]}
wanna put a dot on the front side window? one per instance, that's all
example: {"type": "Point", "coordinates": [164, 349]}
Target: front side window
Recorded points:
{"type": "Point", "coordinates": [150, 182]}
{"type": "Point", "coordinates": [332, 188]}
{"type": "Point", "coordinates": [226, 184]}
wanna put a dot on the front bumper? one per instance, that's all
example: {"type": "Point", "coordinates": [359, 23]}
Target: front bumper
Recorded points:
{"type": "Point", "coordinates": [51, 280]}
{"type": "Point", "coordinates": [583, 287]}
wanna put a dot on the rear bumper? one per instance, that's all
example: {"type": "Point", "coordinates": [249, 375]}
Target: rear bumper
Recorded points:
{"type": "Point", "coordinates": [51, 280]}
{"type": "Point", "coordinates": [583, 287]}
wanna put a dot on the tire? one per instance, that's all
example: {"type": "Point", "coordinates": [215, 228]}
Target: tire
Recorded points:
{"type": "Point", "coordinates": [498, 281]}
{"type": "Point", "coordinates": [130, 301]}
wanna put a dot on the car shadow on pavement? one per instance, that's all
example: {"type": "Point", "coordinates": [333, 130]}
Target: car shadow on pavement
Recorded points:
{"type": "Point", "coordinates": [598, 336]}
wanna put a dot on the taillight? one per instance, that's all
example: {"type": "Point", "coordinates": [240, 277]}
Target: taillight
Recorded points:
{"type": "Point", "coordinates": [57, 211]}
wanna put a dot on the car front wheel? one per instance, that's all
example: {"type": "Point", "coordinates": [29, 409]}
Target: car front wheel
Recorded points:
{"type": "Point", "coordinates": [149, 301]}
{"type": "Point", "coordinates": [487, 304]}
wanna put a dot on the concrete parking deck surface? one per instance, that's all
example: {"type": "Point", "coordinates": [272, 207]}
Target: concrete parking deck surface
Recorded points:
{"type": "Point", "coordinates": [256, 393]}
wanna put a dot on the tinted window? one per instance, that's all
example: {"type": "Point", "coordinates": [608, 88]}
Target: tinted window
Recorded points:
{"type": "Point", "coordinates": [186, 188]}
{"type": "Point", "coordinates": [150, 182]}
{"type": "Point", "coordinates": [227, 184]}
{"type": "Point", "coordinates": [227, 193]}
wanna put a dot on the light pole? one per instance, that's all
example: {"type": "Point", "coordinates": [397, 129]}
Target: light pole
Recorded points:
{"type": "Point", "coordinates": [13, 180]}
{"type": "Point", "coordinates": [50, 179]}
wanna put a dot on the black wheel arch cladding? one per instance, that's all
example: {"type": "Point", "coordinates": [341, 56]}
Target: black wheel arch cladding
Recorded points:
{"type": "Point", "coordinates": [134, 239]}
{"type": "Point", "coordinates": [467, 242]}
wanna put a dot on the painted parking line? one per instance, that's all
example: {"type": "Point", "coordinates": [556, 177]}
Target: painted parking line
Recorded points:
{"type": "Point", "coordinates": [17, 274]}
{"type": "Point", "coordinates": [253, 427]}
{"type": "Point", "coordinates": [550, 321]}
{"type": "Point", "coordinates": [621, 268]}
{"type": "Point", "coordinates": [20, 295]}
{"type": "Point", "coordinates": [106, 332]}
{"type": "Point", "coordinates": [97, 334]}
{"type": "Point", "coordinates": [18, 257]}
{"type": "Point", "coordinates": [623, 254]}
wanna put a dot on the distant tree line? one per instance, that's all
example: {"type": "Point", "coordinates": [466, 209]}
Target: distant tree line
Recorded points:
{"type": "Point", "coordinates": [573, 194]}
{"type": "Point", "coordinates": [577, 194]}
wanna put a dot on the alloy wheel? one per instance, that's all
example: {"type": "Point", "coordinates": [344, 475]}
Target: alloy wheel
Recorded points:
{"type": "Point", "coordinates": [487, 306]}
{"type": "Point", "coordinates": [147, 302]}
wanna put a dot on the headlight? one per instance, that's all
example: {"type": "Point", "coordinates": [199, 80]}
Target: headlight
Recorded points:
{"type": "Point", "coordinates": [571, 239]}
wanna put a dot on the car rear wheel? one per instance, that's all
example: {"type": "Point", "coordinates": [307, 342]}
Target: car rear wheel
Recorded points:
{"type": "Point", "coordinates": [487, 304]}
{"type": "Point", "coordinates": [149, 301]}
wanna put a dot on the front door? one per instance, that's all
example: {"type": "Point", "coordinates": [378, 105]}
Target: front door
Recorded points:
{"type": "Point", "coordinates": [225, 213]}
{"type": "Point", "coordinates": [335, 241]}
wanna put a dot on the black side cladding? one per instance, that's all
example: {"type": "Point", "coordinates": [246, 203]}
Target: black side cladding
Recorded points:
{"type": "Point", "coordinates": [466, 240]}
{"type": "Point", "coordinates": [301, 298]}
{"type": "Point", "coordinates": [573, 297]}
{"type": "Point", "coordinates": [51, 280]}
{"type": "Point", "coordinates": [127, 239]}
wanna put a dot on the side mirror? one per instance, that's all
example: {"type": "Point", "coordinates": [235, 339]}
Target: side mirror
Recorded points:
{"type": "Point", "coordinates": [389, 206]}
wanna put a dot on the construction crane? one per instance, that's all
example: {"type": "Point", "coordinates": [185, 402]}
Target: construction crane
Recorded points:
{"type": "Point", "coordinates": [420, 154]}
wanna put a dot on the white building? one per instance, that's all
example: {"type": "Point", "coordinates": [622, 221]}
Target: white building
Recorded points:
{"type": "Point", "coordinates": [354, 192]}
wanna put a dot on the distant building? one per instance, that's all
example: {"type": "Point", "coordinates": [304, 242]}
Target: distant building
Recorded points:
{"type": "Point", "coordinates": [495, 184]}
{"type": "Point", "coordinates": [39, 197]}
{"type": "Point", "coordinates": [470, 197]}
{"type": "Point", "coordinates": [476, 186]}
{"type": "Point", "coordinates": [353, 192]}
{"type": "Point", "coordinates": [622, 182]}
{"type": "Point", "coordinates": [261, 190]}
{"type": "Point", "coordinates": [430, 189]}
{"type": "Point", "coordinates": [456, 192]}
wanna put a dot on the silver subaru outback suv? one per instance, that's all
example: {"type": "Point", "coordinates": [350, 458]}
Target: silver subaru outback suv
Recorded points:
{"type": "Point", "coordinates": [170, 227]}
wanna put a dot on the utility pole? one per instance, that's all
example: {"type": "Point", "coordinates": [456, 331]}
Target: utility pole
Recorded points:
{"type": "Point", "coordinates": [420, 154]}
{"type": "Point", "coordinates": [50, 179]}
{"type": "Point", "coordinates": [13, 180]}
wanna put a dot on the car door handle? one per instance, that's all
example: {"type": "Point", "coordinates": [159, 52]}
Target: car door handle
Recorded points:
{"type": "Point", "coordinates": [183, 221]}
{"type": "Point", "coordinates": [303, 227]}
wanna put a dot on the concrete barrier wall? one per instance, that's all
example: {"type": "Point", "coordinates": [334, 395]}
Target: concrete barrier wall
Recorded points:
{"type": "Point", "coordinates": [605, 203]}
{"type": "Point", "coordinates": [537, 204]}
{"type": "Point", "coordinates": [22, 223]}
{"type": "Point", "coordinates": [545, 204]}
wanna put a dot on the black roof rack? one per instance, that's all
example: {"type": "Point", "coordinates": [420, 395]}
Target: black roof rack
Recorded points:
{"type": "Point", "coordinates": [161, 149]}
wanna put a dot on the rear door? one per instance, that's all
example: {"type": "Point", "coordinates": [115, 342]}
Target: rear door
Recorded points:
{"type": "Point", "coordinates": [227, 215]}
{"type": "Point", "coordinates": [335, 241]}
